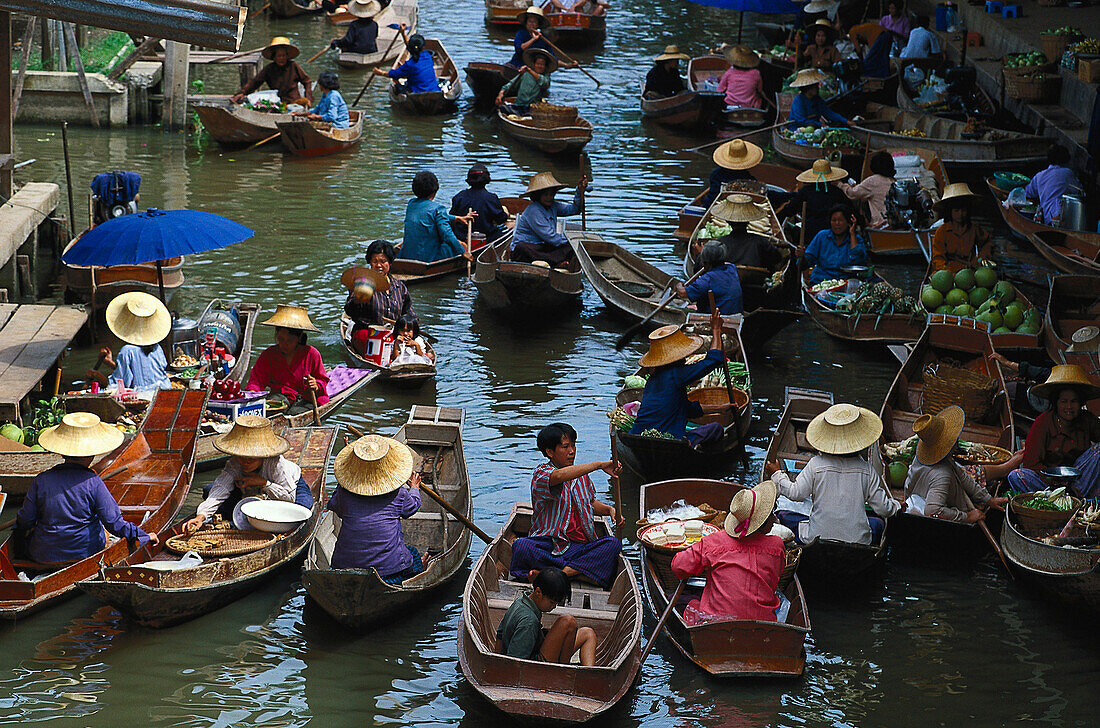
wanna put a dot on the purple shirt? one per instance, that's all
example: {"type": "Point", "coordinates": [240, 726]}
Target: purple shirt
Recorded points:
{"type": "Point", "coordinates": [370, 530]}
{"type": "Point", "coordinates": [67, 508]}
{"type": "Point", "coordinates": [1048, 187]}
{"type": "Point", "coordinates": [899, 26]}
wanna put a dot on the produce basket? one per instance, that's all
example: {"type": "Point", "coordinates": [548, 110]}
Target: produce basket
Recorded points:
{"type": "Point", "coordinates": [718, 395]}
{"type": "Point", "coordinates": [1039, 64]}
{"type": "Point", "coordinates": [1038, 522]}
{"type": "Point", "coordinates": [1036, 88]}
{"type": "Point", "coordinates": [551, 115]}
{"type": "Point", "coordinates": [946, 385]}
{"type": "Point", "coordinates": [984, 455]}
{"type": "Point", "coordinates": [1055, 44]}
{"type": "Point", "coordinates": [787, 575]}
{"type": "Point", "coordinates": [1009, 181]}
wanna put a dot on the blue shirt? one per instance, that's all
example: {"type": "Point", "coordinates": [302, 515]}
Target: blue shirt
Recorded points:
{"type": "Point", "coordinates": [419, 74]}
{"type": "Point", "coordinates": [1048, 187]}
{"type": "Point", "coordinates": [138, 370]}
{"type": "Point", "coordinates": [726, 285]}
{"type": "Point", "coordinates": [665, 405]}
{"type": "Point", "coordinates": [428, 233]}
{"type": "Point", "coordinates": [539, 225]}
{"type": "Point", "coordinates": [333, 109]}
{"type": "Point", "coordinates": [491, 215]}
{"type": "Point", "coordinates": [522, 36]}
{"type": "Point", "coordinates": [828, 254]}
{"type": "Point", "coordinates": [922, 44]}
{"type": "Point", "coordinates": [806, 111]}
{"type": "Point", "coordinates": [370, 530]}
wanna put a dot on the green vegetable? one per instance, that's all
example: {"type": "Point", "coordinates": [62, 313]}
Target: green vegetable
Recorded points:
{"type": "Point", "coordinates": [12, 432]}
{"type": "Point", "coordinates": [634, 382]}
{"type": "Point", "coordinates": [657, 434]}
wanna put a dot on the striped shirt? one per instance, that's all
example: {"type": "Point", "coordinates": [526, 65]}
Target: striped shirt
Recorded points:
{"type": "Point", "coordinates": [553, 511]}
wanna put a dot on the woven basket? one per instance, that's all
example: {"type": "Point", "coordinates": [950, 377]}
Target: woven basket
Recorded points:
{"type": "Point", "coordinates": [946, 385]}
{"type": "Point", "coordinates": [220, 543]}
{"type": "Point", "coordinates": [718, 395]}
{"type": "Point", "coordinates": [1041, 90]}
{"type": "Point", "coordinates": [550, 115]}
{"type": "Point", "coordinates": [1038, 523]}
{"type": "Point", "coordinates": [1021, 70]}
{"type": "Point", "coordinates": [793, 557]}
{"type": "Point", "coordinates": [1054, 45]}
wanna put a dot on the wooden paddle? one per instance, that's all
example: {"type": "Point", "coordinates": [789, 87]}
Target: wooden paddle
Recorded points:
{"type": "Point", "coordinates": [661, 622]}
{"type": "Point", "coordinates": [316, 411]}
{"type": "Point", "coordinates": [615, 492]}
{"type": "Point", "coordinates": [262, 141]}
{"type": "Point", "coordinates": [317, 55]}
{"type": "Point", "coordinates": [469, 244]}
{"type": "Point", "coordinates": [584, 210]}
{"type": "Point", "coordinates": [372, 73]}
{"type": "Point", "coordinates": [996, 546]}
{"type": "Point", "coordinates": [562, 55]}
{"type": "Point", "coordinates": [239, 54]}
{"type": "Point", "coordinates": [708, 145]}
{"type": "Point", "coordinates": [630, 333]}
{"type": "Point", "coordinates": [725, 359]}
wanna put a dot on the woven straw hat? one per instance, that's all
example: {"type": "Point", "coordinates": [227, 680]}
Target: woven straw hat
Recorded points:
{"type": "Point", "coordinates": [672, 53]}
{"type": "Point", "coordinates": [80, 435]}
{"type": "Point", "coordinates": [138, 318]}
{"type": "Point", "coordinates": [820, 6]}
{"type": "Point", "coordinates": [737, 208]}
{"type": "Point", "coordinates": [1085, 339]}
{"type": "Point", "coordinates": [1065, 376]}
{"type": "Point", "coordinates": [807, 77]}
{"type": "Point", "coordinates": [955, 193]}
{"type": "Point", "coordinates": [822, 171]}
{"type": "Point", "coordinates": [531, 54]}
{"type": "Point", "coordinates": [252, 436]}
{"type": "Point", "coordinates": [291, 317]}
{"type": "Point", "coordinates": [280, 41]}
{"type": "Point", "coordinates": [362, 282]}
{"type": "Point", "coordinates": [373, 465]}
{"type": "Point", "coordinates": [738, 154]}
{"type": "Point", "coordinates": [821, 24]}
{"type": "Point", "coordinates": [364, 8]}
{"type": "Point", "coordinates": [937, 434]}
{"type": "Point", "coordinates": [537, 12]}
{"type": "Point", "coordinates": [542, 182]}
{"type": "Point", "coordinates": [844, 429]}
{"type": "Point", "coordinates": [667, 345]}
{"type": "Point", "coordinates": [750, 508]}
{"type": "Point", "coordinates": [742, 57]}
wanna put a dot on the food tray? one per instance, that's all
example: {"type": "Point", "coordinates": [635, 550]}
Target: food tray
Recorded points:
{"type": "Point", "coordinates": [707, 509]}
{"type": "Point", "coordinates": [220, 543]}
{"type": "Point", "coordinates": [708, 529]}
{"type": "Point", "coordinates": [1000, 454]}
{"type": "Point", "coordinates": [1037, 522]}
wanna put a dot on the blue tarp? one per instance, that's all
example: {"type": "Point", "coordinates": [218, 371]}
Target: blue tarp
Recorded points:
{"type": "Point", "coordinates": [766, 7]}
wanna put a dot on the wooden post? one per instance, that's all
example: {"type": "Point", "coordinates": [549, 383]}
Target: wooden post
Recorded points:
{"type": "Point", "coordinates": [62, 47]}
{"type": "Point", "coordinates": [49, 43]}
{"type": "Point", "coordinates": [74, 53]}
{"type": "Point", "coordinates": [176, 67]}
{"type": "Point", "coordinates": [6, 141]}
{"type": "Point", "coordinates": [24, 59]}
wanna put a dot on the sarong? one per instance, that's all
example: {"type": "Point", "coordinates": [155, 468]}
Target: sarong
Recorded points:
{"type": "Point", "coordinates": [1087, 485]}
{"type": "Point", "coordinates": [596, 560]}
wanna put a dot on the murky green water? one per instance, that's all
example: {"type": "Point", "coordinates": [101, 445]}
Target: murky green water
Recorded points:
{"type": "Point", "coordinates": [925, 647]}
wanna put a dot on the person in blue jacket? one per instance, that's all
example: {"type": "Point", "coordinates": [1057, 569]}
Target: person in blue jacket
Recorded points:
{"type": "Point", "coordinates": [428, 233]}
{"type": "Point", "coordinates": [720, 278]}
{"type": "Point", "coordinates": [808, 108]}
{"type": "Point", "coordinates": [331, 107]}
{"type": "Point", "coordinates": [418, 72]}
{"type": "Point", "coordinates": [835, 248]}
{"type": "Point", "coordinates": [532, 22]}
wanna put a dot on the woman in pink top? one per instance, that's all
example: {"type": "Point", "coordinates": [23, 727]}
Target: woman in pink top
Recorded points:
{"type": "Point", "coordinates": [742, 563]}
{"type": "Point", "coordinates": [896, 20]}
{"type": "Point", "coordinates": [742, 83]}
{"type": "Point", "coordinates": [875, 188]}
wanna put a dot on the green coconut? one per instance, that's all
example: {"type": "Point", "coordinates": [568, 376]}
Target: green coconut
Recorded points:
{"type": "Point", "coordinates": [963, 311]}
{"type": "Point", "coordinates": [964, 279]}
{"type": "Point", "coordinates": [12, 432]}
{"type": "Point", "coordinates": [992, 317]}
{"type": "Point", "coordinates": [956, 297]}
{"type": "Point", "coordinates": [1004, 292]}
{"type": "Point", "coordinates": [979, 295]}
{"type": "Point", "coordinates": [942, 281]}
{"type": "Point", "coordinates": [897, 473]}
{"type": "Point", "coordinates": [1014, 315]}
{"type": "Point", "coordinates": [1002, 330]}
{"type": "Point", "coordinates": [944, 309]}
{"type": "Point", "coordinates": [985, 277]}
{"type": "Point", "coordinates": [931, 298]}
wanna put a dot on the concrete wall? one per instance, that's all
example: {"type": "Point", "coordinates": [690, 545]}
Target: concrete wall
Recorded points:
{"type": "Point", "coordinates": [52, 96]}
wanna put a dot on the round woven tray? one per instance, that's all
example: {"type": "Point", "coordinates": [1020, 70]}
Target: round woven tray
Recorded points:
{"type": "Point", "coordinates": [708, 528]}
{"type": "Point", "coordinates": [219, 543]}
{"type": "Point", "coordinates": [1000, 455]}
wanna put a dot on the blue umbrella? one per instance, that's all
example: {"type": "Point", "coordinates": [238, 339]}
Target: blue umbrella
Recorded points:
{"type": "Point", "coordinates": [766, 7]}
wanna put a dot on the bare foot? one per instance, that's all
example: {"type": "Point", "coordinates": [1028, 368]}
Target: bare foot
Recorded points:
{"type": "Point", "coordinates": [424, 559]}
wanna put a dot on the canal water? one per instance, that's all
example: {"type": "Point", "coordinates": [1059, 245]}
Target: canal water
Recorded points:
{"type": "Point", "coordinates": [923, 647]}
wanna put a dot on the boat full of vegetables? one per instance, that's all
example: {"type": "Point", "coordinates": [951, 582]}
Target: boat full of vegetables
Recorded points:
{"type": "Point", "coordinates": [824, 137]}
{"type": "Point", "coordinates": [876, 311]}
{"type": "Point", "coordinates": [980, 298]}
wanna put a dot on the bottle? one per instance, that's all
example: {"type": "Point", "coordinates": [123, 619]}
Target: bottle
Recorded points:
{"type": "Point", "coordinates": [952, 19]}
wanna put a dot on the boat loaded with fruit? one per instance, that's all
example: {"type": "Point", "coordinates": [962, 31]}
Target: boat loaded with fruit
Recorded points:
{"type": "Point", "coordinates": [978, 297]}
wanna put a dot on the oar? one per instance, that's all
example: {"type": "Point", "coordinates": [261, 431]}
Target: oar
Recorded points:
{"type": "Point", "coordinates": [385, 53]}
{"type": "Point", "coordinates": [996, 546]}
{"type": "Point", "coordinates": [584, 210]}
{"type": "Point", "coordinates": [262, 141]}
{"type": "Point", "coordinates": [469, 244]}
{"type": "Point", "coordinates": [661, 622]}
{"type": "Point", "coordinates": [317, 55]}
{"type": "Point", "coordinates": [623, 340]}
{"type": "Point", "coordinates": [615, 492]}
{"type": "Point", "coordinates": [316, 410]}
{"type": "Point", "coordinates": [725, 359]}
{"type": "Point", "coordinates": [708, 145]}
{"type": "Point", "coordinates": [239, 54]}
{"type": "Point", "coordinates": [561, 54]}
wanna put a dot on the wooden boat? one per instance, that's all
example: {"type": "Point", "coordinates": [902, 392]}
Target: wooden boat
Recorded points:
{"type": "Point", "coordinates": [115, 280]}
{"type": "Point", "coordinates": [487, 79]}
{"type": "Point", "coordinates": [935, 538]}
{"type": "Point", "coordinates": [703, 74]}
{"type": "Point", "coordinates": [803, 156]}
{"type": "Point", "coordinates": [979, 104]}
{"type": "Point", "coordinates": [1070, 251]}
{"type": "Point", "coordinates": [730, 648]}
{"type": "Point", "coordinates": [430, 102]}
{"type": "Point", "coordinates": [777, 178]}
{"type": "Point", "coordinates": [156, 597]}
{"type": "Point", "coordinates": [530, 689]}
{"type": "Point", "coordinates": [577, 30]}
{"type": "Point", "coordinates": [950, 140]}
{"type": "Point", "coordinates": [504, 14]}
{"type": "Point", "coordinates": [236, 125]}
{"type": "Point", "coordinates": [682, 110]}
{"type": "Point", "coordinates": [566, 139]}
{"type": "Point", "coordinates": [899, 241]}
{"type": "Point", "coordinates": [291, 9]}
{"type": "Point", "coordinates": [887, 328]}
{"type": "Point", "coordinates": [1069, 574]}
{"type": "Point", "coordinates": [823, 561]}
{"type": "Point", "coordinates": [401, 375]}
{"type": "Point", "coordinates": [399, 11]}
{"type": "Point", "coordinates": [525, 288]}
{"type": "Point", "coordinates": [1074, 302]}
{"type": "Point", "coordinates": [358, 598]}
{"type": "Point", "coordinates": [159, 462]}
{"type": "Point", "coordinates": [317, 138]}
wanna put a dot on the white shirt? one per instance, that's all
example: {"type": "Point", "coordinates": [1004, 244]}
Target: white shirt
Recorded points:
{"type": "Point", "coordinates": [922, 44]}
{"type": "Point", "coordinates": [282, 478]}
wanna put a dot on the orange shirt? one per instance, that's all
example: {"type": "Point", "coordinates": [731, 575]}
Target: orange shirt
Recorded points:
{"type": "Point", "coordinates": [955, 252]}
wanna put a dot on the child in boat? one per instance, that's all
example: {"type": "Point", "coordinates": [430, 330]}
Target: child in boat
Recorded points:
{"type": "Point", "coordinates": [521, 634]}
{"type": "Point", "coordinates": [408, 346]}
{"type": "Point", "coordinates": [331, 107]}
{"type": "Point", "coordinates": [531, 85]}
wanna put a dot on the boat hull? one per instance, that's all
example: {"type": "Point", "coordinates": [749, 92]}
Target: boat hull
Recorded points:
{"type": "Point", "coordinates": [682, 110]}
{"type": "Point", "coordinates": [1069, 575]}
{"type": "Point", "coordinates": [389, 47]}
{"type": "Point", "coordinates": [487, 79]}
{"type": "Point", "coordinates": [303, 139]}
{"type": "Point", "coordinates": [232, 125]}
{"type": "Point", "coordinates": [551, 140]}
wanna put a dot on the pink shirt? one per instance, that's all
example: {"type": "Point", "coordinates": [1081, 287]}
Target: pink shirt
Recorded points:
{"type": "Point", "coordinates": [271, 372]}
{"type": "Point", "coordinates": [743, 574]}
{"type": "Point", "coordinates": [743, 88]}
{"type": "Point", "coordinates": [873, 189]}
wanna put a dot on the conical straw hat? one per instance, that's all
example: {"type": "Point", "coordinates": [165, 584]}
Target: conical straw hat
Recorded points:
{"type": "Point", "coordinates": [542, 182]}
{"type": "Point", "coordinates": [750, 508]}
{"type": "Point", "coordinates": [138, 318]}
{"type": "Point", "coordinates": [364, 8]}
{"type": "Point", "coordinates": [1066, 376]}
{"type": "Point", "coordinates": [80, 434]}
{"type": "Point", "coordinates": [291, 317]}
{"type": "Point", "coordinates": [363, 282]}
{"type": "Point", "coordinates": [373, 465]}
{"type": "Point", "coordinates": [822, 171]}
{"type": "Point", "coordinates": [844, 429]}
{"type": "Point", "coordinates": [937, 434]}
{"type": "Point", "coordinates": [672, 53]}
{"type": "Point", "coordinates": [537, 12]}
{"type": "Point", "coordinates": [280, 41]}
{"type": "Point", "coordinates": [821, 24]}
{"type": "Point", "coordinates": [252, 436]}
{"type": "Point", "coordinates": [737, 208]}
{"type": "Point", "coordinates": [955, 192]}
{"type": "Point", "coordinates": [669, 344]}
{"type": "Point", "coordinates": [807, 77]}
{"type": "Point", "coordinates": [742, 57]}
{"type": "Point", "coordinates": [531, 54]}
{"type": "Point", "coordinates": [738, 154]}
{"type": "Point", "coordinates": [1085, 339]}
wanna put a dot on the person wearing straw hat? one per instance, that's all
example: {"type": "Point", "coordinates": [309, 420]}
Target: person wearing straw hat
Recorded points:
{"type": "Point", "coordinates": [937, 486]}
{"type": "Point", "coordinates": [491, 218]}
{"type": "Point", "coordinates": [818, 10]}
{"type": "Point", "coordinates": [416, 75]}
{"type": "Point", "coordinates": [362, 33]}
{"type": "Point", "coordinates": [428, 233]}
{"type": "Point", "coordinates": [375, 297]}
{"type": "Point", "coordinates": [720, 279]}
{"type": "Point", "coordinates": [835, 248]}
{"type": "Point", "coordinates": [564, 506]}
{"type": "Point", "coordinates": [808, 108]}
{"type": "Point", "coordinates": [732, 160]}
{"type": "Point", "coordinates": [142, 321]}
{"type": "Point", "coordinates": [531, 85]}
{"type": "Point", "coordinates": [820, 53]}
{"type": "Point", "coordinates": [331, 107]}
{"type": "Point", "coordinates": [820, 192]}
{"type": "Point", "coordinates": [743, 562]}
{"type": "Point", "coordinates": [68, 506]}
{"type": "Point", "coordinates": [291, 367]}
{"type": "Point", "coordinates": [838, 479]}
{"type": "Point", "coordinates": [536, 236]}
{"type": "Point", "coordinates": [378, 487]}
{"type": "Point", "coordinates": [960, 242]}
{"type": "Point", "coordinates": [665, 406]}
{"type": "Point", "coordinates": [283, 75]}
{"type": "Point", "coordinates": [663, 80]}
{"type": "Point", "coordinates": [1065, 434]}
{"type": "Point", "coordinates": [742, 83]}
{"type": "Point", "coordinates": [741, 247]}
{"type": "Point", "coordinates": [256, 467]}
{"type": "Point", "coordinates": [532, 22]}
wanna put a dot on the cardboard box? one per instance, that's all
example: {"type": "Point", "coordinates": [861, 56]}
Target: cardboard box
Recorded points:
{"type": "Point", "coordinates": [1088, 70]}
{"type": "Point", "coordinates": [232, 410]}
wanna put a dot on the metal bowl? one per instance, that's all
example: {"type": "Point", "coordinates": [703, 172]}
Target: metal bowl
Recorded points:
{"type": "Point", "coordinates": [857, 271]}
{"type": "Point", "coordinates": [1061, 472]}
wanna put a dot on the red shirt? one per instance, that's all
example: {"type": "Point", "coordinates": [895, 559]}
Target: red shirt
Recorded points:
{"type": "Point", "coordinates": [1048, 444]}
{"type": "Point", "coordinates": [271, 372]}
{"type": "Point", "coordinates": [743, 574]}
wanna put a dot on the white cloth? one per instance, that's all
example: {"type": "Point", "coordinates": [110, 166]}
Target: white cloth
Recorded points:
{"type": "Point", "coordinates": [282, 478]}
{"type": "Point", "coordinates": [922, 44]}
{"type": "Point", "coordinates": [408, 355]}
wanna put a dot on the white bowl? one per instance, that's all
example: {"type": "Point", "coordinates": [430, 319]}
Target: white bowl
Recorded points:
{"type": "Point", "coordinates": [274, 516]}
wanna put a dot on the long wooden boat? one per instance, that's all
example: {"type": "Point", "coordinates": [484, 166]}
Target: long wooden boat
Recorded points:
{"type": "Point", "coordinates": [897, 241]}
{"type": "Point", "coordinates": [729, 648]}
{"type": "Point", "coordinates": [504, 14]}
{"type": "Point", "coordinates": [156, 597]}
{"type": "Point", "coordinates": [803, 156]}
{"type": "Point", "coordinates": [115, 280]}
{"type": "Point", "coordinates": [1070, 251]}
{"type": "Point", "coordinates": [399, 11]}
{"type": "Point", "coordinates": [525, 288]}
{"type": "Point", "coordinates": [431, 102]}
{"type": "Point", "coordinates": [531, 689]}
{"type": "Point", "coordinates": [1068, 574]}
{"type": "Point", "coordinates": [400, 375]}
{"type": "Point", "coordinates": [682, 110]}
{"type": "Point", "coordinates": [487, 79]}
{"type": "Point", "coordinates": [236, 125]}
{"type": "Point", "coordinates": [950, 140]}
{"type": "Point", "coordinates": [979, 104]}
{"type": "Point", "coordinates": [159, 463]}
{"type": "Point", "coordinates": [703, 74]}
{"type": "Point", "coordinates": [291, 9]}
{"type": "Point", "coordinates": [567, 139]}
{"type": "Point", "coordinates": [777, 178]}
{"type": "Point", "coordinates": [317, 138]}
{"type": "Point", "coordinates": [891, 328]}
{"type": "Point", "coordinates": [1074, 302]}
{"type": "Point", "coordinates": [823, 561]}
{"type": "Point", "coordinates": [577, 30]}
{"type": "Point", "coordinates": [934, 538]}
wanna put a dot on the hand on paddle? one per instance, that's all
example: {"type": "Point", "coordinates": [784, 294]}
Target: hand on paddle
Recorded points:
{"type": "Point", "coordinates": [771, 467]}
{"type": "Point", "coordinates": [974, 515]}
{"type": "Point", "coordinates": [612, 468]}
{"type": "Point", "coordinates": [154, 539]}
{"type": "Point", "coordinates": [415, 480]}
{"type": "Point", "coordinates": [467, 219]}
{"type": "Point", "coordinates": [312, 384]}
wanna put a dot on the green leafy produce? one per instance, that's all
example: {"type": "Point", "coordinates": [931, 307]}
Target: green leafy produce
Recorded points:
{"type": "Point", "coordinates": [1064, 30]}
{"type": "Point", "coordinates": [657, 434]}
{"type": "Point", "coordinates": [716, 229]}
{"type": "Point", "coordinates": [634, 382]}
{"type": "Point", "coordinates": [1049, 500]}
{"type": "Point", "coordinates": [12, 432]}
{"type": "Point", "coordinates": [1023, 60]}
{"type": "Point", "coordinates": [621, 420]}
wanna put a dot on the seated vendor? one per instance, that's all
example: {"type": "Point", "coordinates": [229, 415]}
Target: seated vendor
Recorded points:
{"type": "Point", "coordinates": [256, 467]}
{"type": "Point", "coordinates": [665, 406]}
{"type": "Point", "coordinates": [733, 160]}
{"type": "Point", "coordinates": [663, 80]}
{"type": "Point", "coordinates": [832, 250]}
{"type": "Point", "coordinates": [291, 367]}
{"type": "Point", "coordinates": [490, 216]}
{"type": "Point", "coordinates": [960, 242]}
{"type": "Point", "coordinates": [875, 187]}
{"type": "Point", "coordinates": [362, 33]}
{"type": "Point", "coordinates": [536, 235]}
{"type": "Point", "coordinates": [742, 562]}
{"type": "Point", "coordinates": [378, 487]}
{"type": "Point", "coordinates": [1048, 186]}
{"type": "Point", "coordinates": [564, 503]}
{"type": "Point", "coordinates": [331, 108]}
{"type": "Point", "coordinates": [742, 83]}
{"type": "Point", "coordinates": [428, 233]}
{"type": "Point", "coordinates": [821, 53]}
{"type": "Point", "coordinates": [416, 75]}
{"type": "Point", "coordinates": [808, 108]}
{"type": "Point", "coordinates": [142, 321]}
{"type": "Point", "coordinates": [521, 635]}
{"type": "Point", "coordinates": [68, 506]}
{"type": "Point", "coordinates": [1066, 434]}
{"type": "Point", "coordinates": [386, 304]}
{"type": "Point", "coordinates": [531, 85]}
{"type": "Point", "coordinates": [282, 75]}
{"type": "Point", "coordinates": [740, 247]}
{"type": "Point", "coordinates": [532, 22]}
{"type": "Point", "coordinates": [838, 479]}
{"type": "Point", "coordinates": [720, 280]}
{"type": "Point", "coordinates": [819, 194]}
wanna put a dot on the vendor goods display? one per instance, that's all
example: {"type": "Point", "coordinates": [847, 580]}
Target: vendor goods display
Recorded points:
{"type": "Point", "coordinates": [822, 137]}
{"type": "Point", "coordinates": [878, 300]}
{"type": "Point", "coordinates": [219, 542]}
{"type": "Point", "coordinates": [976, 293]}
{"type": "Point", "coordinates": [675, 535]}
{"type": "Point", "coordinates": [1045, 512]}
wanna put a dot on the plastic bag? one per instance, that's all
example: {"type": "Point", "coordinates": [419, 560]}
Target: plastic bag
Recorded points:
{"type": "Point", "coordinates": [187, 561]}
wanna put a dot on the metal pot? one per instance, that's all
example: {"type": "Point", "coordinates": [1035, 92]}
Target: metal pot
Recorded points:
{"type": "Point", "coordinates": [1074, 215]}
{"type": "Point", "coordinates": [185, 332]}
